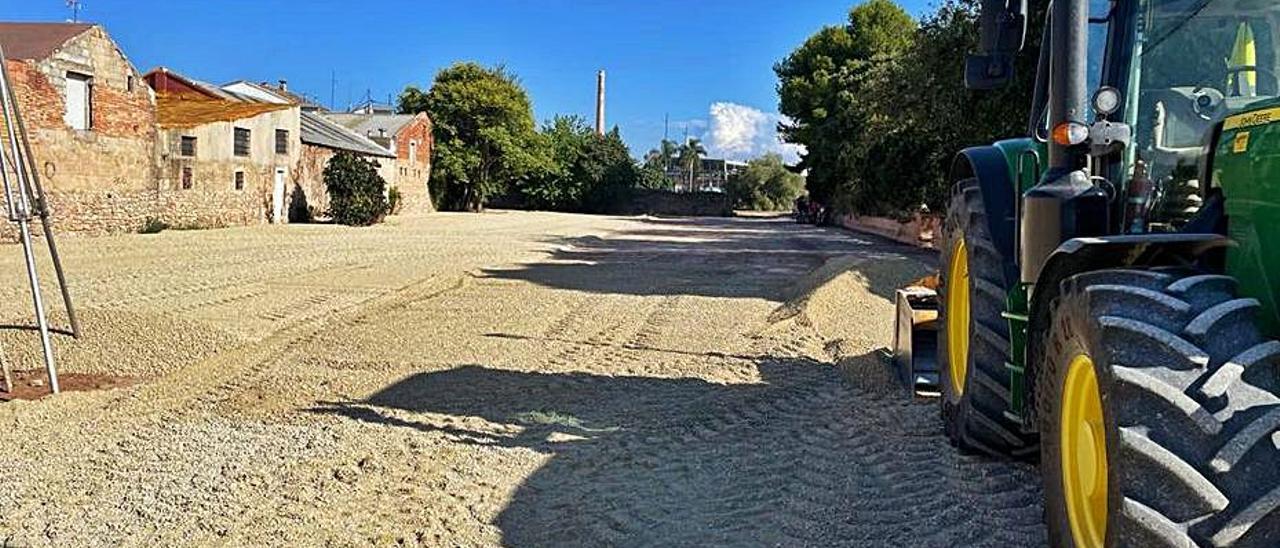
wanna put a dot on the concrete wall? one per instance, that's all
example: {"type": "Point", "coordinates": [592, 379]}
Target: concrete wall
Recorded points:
{"type": "Point", "coordinates": [215, 165]}
{"type": "Point", "coordinates": [95, 177]}
{"type": "Point", "coordinates": [921, 230]}
{"type": "Point", "coordinates": [412, 178]}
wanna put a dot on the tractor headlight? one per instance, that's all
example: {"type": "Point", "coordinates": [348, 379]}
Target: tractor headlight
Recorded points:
{"type": "Point", "coordinates": [1106, 101]}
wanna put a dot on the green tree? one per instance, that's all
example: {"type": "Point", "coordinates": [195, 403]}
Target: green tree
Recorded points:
{"type": "Point", "coordinates": [607, 172]}
{"type": "Point", "coordinates": [690, 158]}
{"type": "Point", "coordinates": [654, 178]}
{"type": "Point", "coordinates": [411, 101]}
{"type": "Point", "coordinates": [821, 85]}
{"type": "Point", "coordinates": [881, 108]}
{"type": "Point", "coordinates": [587, 172]}
{"type": "Point", "coordinates": [661, 157]}
{"type": "Point", "coordinates": [764, 185]}
{"type": "Point", "coordinates": [565, 139]}
{"type": "Point", "coordinates": [356, 191]}
{"type": "Point", "coordinates": [485, 140]}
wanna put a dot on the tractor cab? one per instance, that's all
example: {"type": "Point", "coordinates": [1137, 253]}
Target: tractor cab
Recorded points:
{"type": "Point", "coordinates": [1185, 66]}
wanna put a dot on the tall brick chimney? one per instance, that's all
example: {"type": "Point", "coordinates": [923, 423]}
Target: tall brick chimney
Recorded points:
{"type": "Point", "coordinates": [600, 102]}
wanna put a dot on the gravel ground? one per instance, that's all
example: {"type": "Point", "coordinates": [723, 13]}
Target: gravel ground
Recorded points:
{"type": "Point", "coordinates": [501, 379]}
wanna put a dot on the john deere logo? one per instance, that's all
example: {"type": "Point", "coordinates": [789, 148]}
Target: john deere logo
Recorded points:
{"type": "Point", "coordinates": [1241, 143]}
{"type": "Point", "coordinates": [1251, 119]}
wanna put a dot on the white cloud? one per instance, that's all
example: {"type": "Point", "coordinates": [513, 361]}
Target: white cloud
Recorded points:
{"type": "Point", "coordinates": [740, 132]}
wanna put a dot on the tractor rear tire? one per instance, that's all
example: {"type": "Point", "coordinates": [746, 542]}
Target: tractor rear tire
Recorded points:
{"type": "Point", "coordinates": [1184, 449]}
{"type": "Point", "coordinates": [973, 336]}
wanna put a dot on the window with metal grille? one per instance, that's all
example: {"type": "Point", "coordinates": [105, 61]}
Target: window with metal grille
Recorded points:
{"type": "Point", "coordinates": [188, 178]}
{"type": "Point", "coordinates": [239, 183]}
{"type": "Point", "coordinates": [242, 142]}
{"type": "Point", "coordinates": [188, 146]}
{"type": "Point", "coordinates": [282, 141]}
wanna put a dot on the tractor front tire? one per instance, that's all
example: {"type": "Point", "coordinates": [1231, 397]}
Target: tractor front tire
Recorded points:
{"type": "Point", "coordinates": [973, 336]}
{"type": "Point", "coordinates": [1159, 403]}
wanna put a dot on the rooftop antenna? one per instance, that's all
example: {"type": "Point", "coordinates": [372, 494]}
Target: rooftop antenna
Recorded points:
{"type": "Point", "coordinates": [333, 89]}
{"type": "Point", "coordinates": [24, 200]}
{"type": "Point", "coordinates": [75, 6]}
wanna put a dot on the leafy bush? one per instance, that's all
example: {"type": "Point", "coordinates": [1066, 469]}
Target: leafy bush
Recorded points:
{"type": "Point", "coordinates": [153, 225]}
{"type": "Point", "coordinates": [654, 178]}
{"type": "Point", "coordinates": [394, 200]}
{"type": "Point", "coordinates": [356, 191]}
{"type": "Point", "coordinates": [765, 185]}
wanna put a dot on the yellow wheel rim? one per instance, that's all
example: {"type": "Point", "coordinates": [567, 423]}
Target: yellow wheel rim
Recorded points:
{"type": "Point", "coordinates": [958, 315]}
{"type": "Point", "coordinates": [1084, 454]}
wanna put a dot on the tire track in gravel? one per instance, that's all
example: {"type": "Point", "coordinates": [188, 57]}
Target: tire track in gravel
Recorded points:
{"type": "Point", "coordinates": [247, 365]}
{"type": "Point", "coordinates": [808, 457]}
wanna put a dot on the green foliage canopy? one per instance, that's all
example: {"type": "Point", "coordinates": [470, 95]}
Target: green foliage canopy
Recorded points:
{"type": "Point", "coordinates": [881, 107]}
{"type": "Point", "coordinates": [586, 172]}
{"type": "Point", "coordinates": [764, 185]}
{"type": "Point", "coordinates": [485, 140]}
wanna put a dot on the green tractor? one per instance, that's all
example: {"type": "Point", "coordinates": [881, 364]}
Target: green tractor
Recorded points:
{"type": "Point", "coordinates": [1109, 300]}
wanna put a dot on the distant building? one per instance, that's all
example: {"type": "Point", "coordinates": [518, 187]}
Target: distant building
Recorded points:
{"type": "Point", "coordinates": [409, 137]}
{"type": "Point", "coordinates": [370, 106]}
{"type": "Point", "coordinates": [711, 176]}
{"type": "Point", "coordinates": [92, 124]}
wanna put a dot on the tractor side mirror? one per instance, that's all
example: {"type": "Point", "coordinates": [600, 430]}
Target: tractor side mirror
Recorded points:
{"type": "Point", "coordinates": [1003, 25]}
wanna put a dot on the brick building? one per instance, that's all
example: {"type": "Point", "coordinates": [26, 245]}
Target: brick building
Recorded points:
{"type": "Point", "coordinates": [229, 158]}
{"type": "Point", "coordinates": [92, 124]}
{"type": "Point", "coordinates": [409, 136]}
{"type": "Point", "coordinates": [321, 140]}
{"type": "Point", "coordinates": [115, 148]}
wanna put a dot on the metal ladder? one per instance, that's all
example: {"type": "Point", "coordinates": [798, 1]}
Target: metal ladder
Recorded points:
{"type": "Point", "coordinates": [25, 201]}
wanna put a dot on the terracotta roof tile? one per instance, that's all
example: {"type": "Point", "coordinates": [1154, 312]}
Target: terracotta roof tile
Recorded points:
{"type": "Point", "coordinates": [37, 40]}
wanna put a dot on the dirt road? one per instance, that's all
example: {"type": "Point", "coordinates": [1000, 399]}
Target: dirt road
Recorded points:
{"type": "Point", "coordinates": [509, 378]}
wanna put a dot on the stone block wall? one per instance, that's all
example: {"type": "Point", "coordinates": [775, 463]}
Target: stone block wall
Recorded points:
{"type": "Point", "coordinates": [690, 204]}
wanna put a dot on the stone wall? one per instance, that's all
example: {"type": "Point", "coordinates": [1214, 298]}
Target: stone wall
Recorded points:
{"type": "Point", "coordinates": [98, 213]}
{"type": "Point", "coordinates": [97, 179]}
{"type": "Point", "coordinates": [308, 198]}
{"type": "Point", "coordinates": [690, 204]}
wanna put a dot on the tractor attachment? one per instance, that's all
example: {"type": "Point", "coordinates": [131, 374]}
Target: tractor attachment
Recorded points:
{"type": "Point", "coordinates": [915, 339]}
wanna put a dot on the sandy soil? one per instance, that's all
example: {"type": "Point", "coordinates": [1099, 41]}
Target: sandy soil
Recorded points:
{"type": "Point", "coordinates": [509, 378]}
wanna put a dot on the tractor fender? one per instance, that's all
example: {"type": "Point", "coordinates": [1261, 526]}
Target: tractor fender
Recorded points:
{"type": "Point", "coordinates": [1080, 255]}
{"type": "Point", "coordinates": [990, 166]}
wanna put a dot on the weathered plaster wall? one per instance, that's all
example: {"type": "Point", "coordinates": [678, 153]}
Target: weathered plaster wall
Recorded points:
{"type": "Point", "coordinates": [213, 196]}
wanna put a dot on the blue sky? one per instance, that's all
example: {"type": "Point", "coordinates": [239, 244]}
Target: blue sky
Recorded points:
{"type": "Point", "coordinates": [662, 57]}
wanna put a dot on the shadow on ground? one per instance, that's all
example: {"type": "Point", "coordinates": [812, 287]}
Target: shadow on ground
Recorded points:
{"type": "Point", "coordinates": [714, 257]}
{"type": "Point", "coordinates": [801, 458]}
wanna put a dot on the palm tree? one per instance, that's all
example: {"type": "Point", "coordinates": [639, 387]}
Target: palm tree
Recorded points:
{"type": "Point", "coordinates": [668, 151]}
{"type": "Point", "coordinates": [691, 154]}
